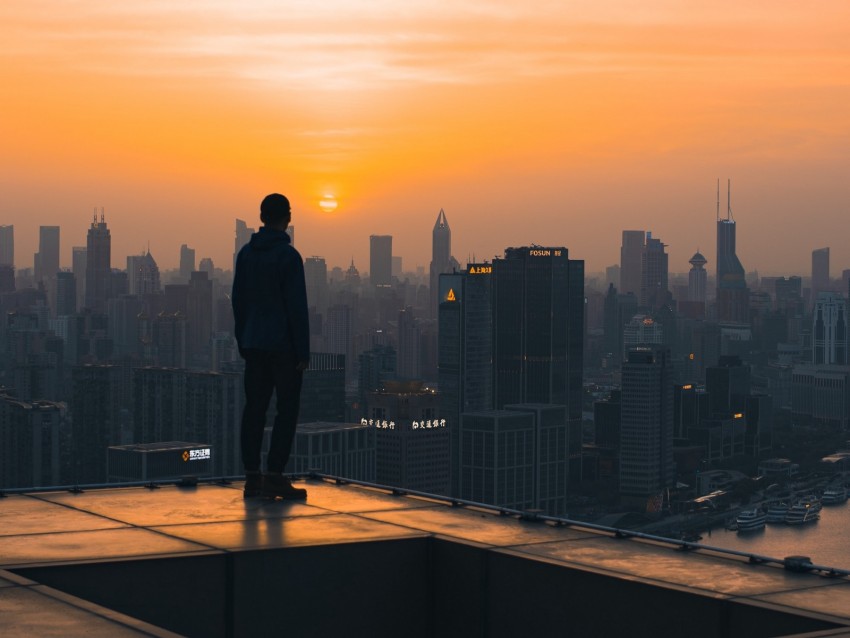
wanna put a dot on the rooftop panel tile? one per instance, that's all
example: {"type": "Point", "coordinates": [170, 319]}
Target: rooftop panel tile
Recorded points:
{"type": "Point", "coordinates": [22, 514]}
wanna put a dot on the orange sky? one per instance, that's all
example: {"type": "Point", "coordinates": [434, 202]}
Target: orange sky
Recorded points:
{"type": "Point", "coordinates": [544, 122]}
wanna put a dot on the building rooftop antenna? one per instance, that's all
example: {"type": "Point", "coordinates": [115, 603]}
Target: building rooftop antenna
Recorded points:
{"type": "Point", "coordinates": [718, 199]}
{"type": "Point", "coordinates": [729, 200]}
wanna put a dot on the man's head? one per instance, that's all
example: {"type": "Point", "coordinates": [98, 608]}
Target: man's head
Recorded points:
{"type": "Point", "coordinates": [275, 210]}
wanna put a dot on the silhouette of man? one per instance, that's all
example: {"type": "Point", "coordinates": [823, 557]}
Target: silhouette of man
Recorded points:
{"type": "Point", "coordinates": [273, 334]}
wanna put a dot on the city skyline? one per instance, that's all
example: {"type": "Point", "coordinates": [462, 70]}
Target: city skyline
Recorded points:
{"type": "Point", "coordinates": [579, 120]}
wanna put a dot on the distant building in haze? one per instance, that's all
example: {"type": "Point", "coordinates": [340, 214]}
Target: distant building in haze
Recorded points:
{"type": "Point", "coordinates": [7, 245]}
{"type": "Point", "coordinates": [697, 278]}
{"type": "Point", "coordinates": [441, 257]}
{"type": "Point", "coordinates": [142, 274]}
{"type": "Point", "coordinates": [47, 258]}
{"type": "Point", "coordinates": [631, 255]}
{"type": "Point", "coordinates": [243, 236]}
{"type": "Point", "coordinates": [98, 266]}
{"type": "Point", "coordinates": [78, 267]}
{"type": "Point", "coordinates": [654, 274]}
{"type": "Point", "coordinates": [187, 262]}
{"type": "Point", "coordinates": [733, 296]}
{"type": "Point", "coordinates": [381, 259]}
{"type": "Point", "coordinates": [820, 272]}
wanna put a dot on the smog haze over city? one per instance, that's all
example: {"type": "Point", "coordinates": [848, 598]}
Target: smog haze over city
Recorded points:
{"type": "Point", "coordinates": [527, 123]}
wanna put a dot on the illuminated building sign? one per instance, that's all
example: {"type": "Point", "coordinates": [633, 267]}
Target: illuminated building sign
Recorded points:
{"type": "Point", "coordinates": [543, 252]}
{"type": "Point", "coordinates": [687, 387]}
{"type": "Point", "coordinates": [739, 415]}
{"type": "Point", "coordinates": [196, 455]}
{"type": "Point", "coordinates": [428, 424]}
{"type": "Point", "coordinates": [480, 270]}
{"type": "Point", "coordinates": [451, 295]}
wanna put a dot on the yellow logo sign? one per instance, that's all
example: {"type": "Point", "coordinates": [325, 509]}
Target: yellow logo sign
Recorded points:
{"type": "Point", "coordinates": [451, 295]}
{"type": "Point", "coordinates": [185, 455]}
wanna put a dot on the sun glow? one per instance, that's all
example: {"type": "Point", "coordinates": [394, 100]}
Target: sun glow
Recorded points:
{"type": "Point", "coordinates": [328, 204]}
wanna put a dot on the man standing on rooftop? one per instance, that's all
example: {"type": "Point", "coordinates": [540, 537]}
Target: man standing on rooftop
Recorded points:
{"type": "Point", "coordinates": [273, 334]}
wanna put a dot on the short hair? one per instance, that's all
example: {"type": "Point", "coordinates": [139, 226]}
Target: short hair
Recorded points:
{"type": "Point", "coordinates": [275, 209]}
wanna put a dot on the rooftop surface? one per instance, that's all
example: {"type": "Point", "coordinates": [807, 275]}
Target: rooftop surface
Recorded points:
{"type": "Point", "coordinates": [354, 560]}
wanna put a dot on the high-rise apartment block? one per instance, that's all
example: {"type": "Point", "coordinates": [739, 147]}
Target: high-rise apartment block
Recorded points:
{"type": "Point", "coordinates": [337, 449]}
{"type": "Point", "coordinates": [30, 442]}
{"type": "Point", "coordinates": [381, 260]}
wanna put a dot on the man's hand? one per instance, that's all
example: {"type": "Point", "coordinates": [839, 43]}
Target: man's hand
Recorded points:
{"type": "Point", "coordinates": [302, 365]}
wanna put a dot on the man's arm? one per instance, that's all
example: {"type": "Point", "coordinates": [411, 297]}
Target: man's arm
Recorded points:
{"type": "Point", "coordinates": [296, 307]}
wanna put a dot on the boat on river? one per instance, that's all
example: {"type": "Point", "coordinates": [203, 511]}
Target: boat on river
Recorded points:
{"type": "Point", "coordinates": [834, 496]}
{"type": "Point", "coordinates": [802, 512]}
{"type": "Point", "coordinates": [750, 520]}
{"type": "Point", "coordinates": [776, 512]}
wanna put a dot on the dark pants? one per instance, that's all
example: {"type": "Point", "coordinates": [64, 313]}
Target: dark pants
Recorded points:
{"type": "Point", "coordinates": [266, 371]}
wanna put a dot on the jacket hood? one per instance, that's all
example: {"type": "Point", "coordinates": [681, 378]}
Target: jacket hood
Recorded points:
{"type": "Point", "coordinates": [268, 239]}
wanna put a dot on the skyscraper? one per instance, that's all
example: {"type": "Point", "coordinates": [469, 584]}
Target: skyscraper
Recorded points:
{"type": "Point", "coordinates": [538, 332]}
{"type": "Point", "coordinates": [316, 280]}
{"type": "Point", "coordinates": [199, 318]}
{"type": "Point", "coordinates": [653, 274]}
{"type": "Point", "coordinates": [820, 272]}
{"type": "Point", "coordinates": [441, 257]}
{"type": "Point", "coordinates": [464, 350]}
{"type": "Point", "coordinates": [697, 278]}
{"type": "Point", "coordinates": [243, 236]}
{"type": "Point", "coordinates": [142, 274]}
{"type": "Point", "coordinates": [78, 267]}
{"type": "Point", "coordinates": [7, 245]}
{"type": "Point", "coordinates": [646, 425]}
{"type": "Point", "coordinates": [631, 255]}
{"type": "Point", "coordinates": [98, 265]}
{"type": "Point", "coordinates": [829, 330]}
{"type": "Point", "coordinates": [733, 297]}
{"type": "Point", "coordinates": [47, 258]}
{"type": "Point", "coordinates": [187, 263]}
{"type": "Point", "coordinates": [381, 259]}
{"type": "Point", "coordinates": [66, 293]}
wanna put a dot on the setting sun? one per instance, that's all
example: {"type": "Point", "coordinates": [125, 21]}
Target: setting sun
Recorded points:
{"type": "Point", "coordinates": [328, 204]}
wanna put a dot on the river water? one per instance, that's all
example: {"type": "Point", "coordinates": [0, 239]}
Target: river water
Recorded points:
{"type": "Point", "coordinates": [826, 542]}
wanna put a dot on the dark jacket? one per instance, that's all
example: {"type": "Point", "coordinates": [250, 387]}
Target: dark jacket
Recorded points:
{"type": "Point", "coordinates": [270, 297]}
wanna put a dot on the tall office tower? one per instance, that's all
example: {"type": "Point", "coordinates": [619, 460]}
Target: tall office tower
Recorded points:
{"type": "Point", "coordinates": [78, 267]}
{"type": "Point", "coordinates": [697, 278]}
{"type": "Point", "coordinates": [176, 298]}
{"type": "Point", "coordinates": [733, 297]}
{"type": "Point", "coordinates": [412, 439]}
{"type": "Point", "coordinates": [7, 245]}
{"type": "Point", "coordinates": [612, 275]}
{"type": "Point", "coordinates": [618, 310]}
{"type": "Point", "coordinates": [441, 257]}
{"type": "Point", "coordinates": [199, 318]}
{"type": "Point", "coordinates": [316, 279]}
{"type": "Point", "coordinates": [100, 411]}
{"type": "Point", "coordinates": [47, 258]}
{"type": "Point", "coordinates": [29, 442]}
{"type": "Point", "coordinates": [409, 350]}
{"type": "Point", "coordinates": [323, 389]}
{"type": "Point", "coordinates": [641, 330]}
{"type": "Point", "coordinates": [820, 272]}
{"type": "Point", "coordinates": [538, 320]}
{"type": "Point", "coordinates": [728, 385]}
{"type": "Point", "coordinates": [538, 333]}
{"type": "Point", "coordinates": [98, 265]}
{"type": "Point", "coordinates": [66, 294]}
{"type": "Point", "coordinates": [829, 330]}
{"type": "Point", "coordinates": [381, 259]}
{"type": "Point", "coordinates": [653, 276]}
{"type": "Point", "coordinates": [243, 236]}
{"type": "Point", "coordinates": [397, 267]}
{"type": "Point", "coordinates": [631, 256]}
{"type": "Point", "coordinates": [646, 425]}
{"type": "Point", "coordinates": [464, 350]}
{"type": "Point", "coordinates": [339, 328]}
{"type": "Point", "coordinates": [206, 265]}
{"type": "Point", "coordinates": [187, 263]}
{"type": "Point", "coordinates": [142, 274]}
